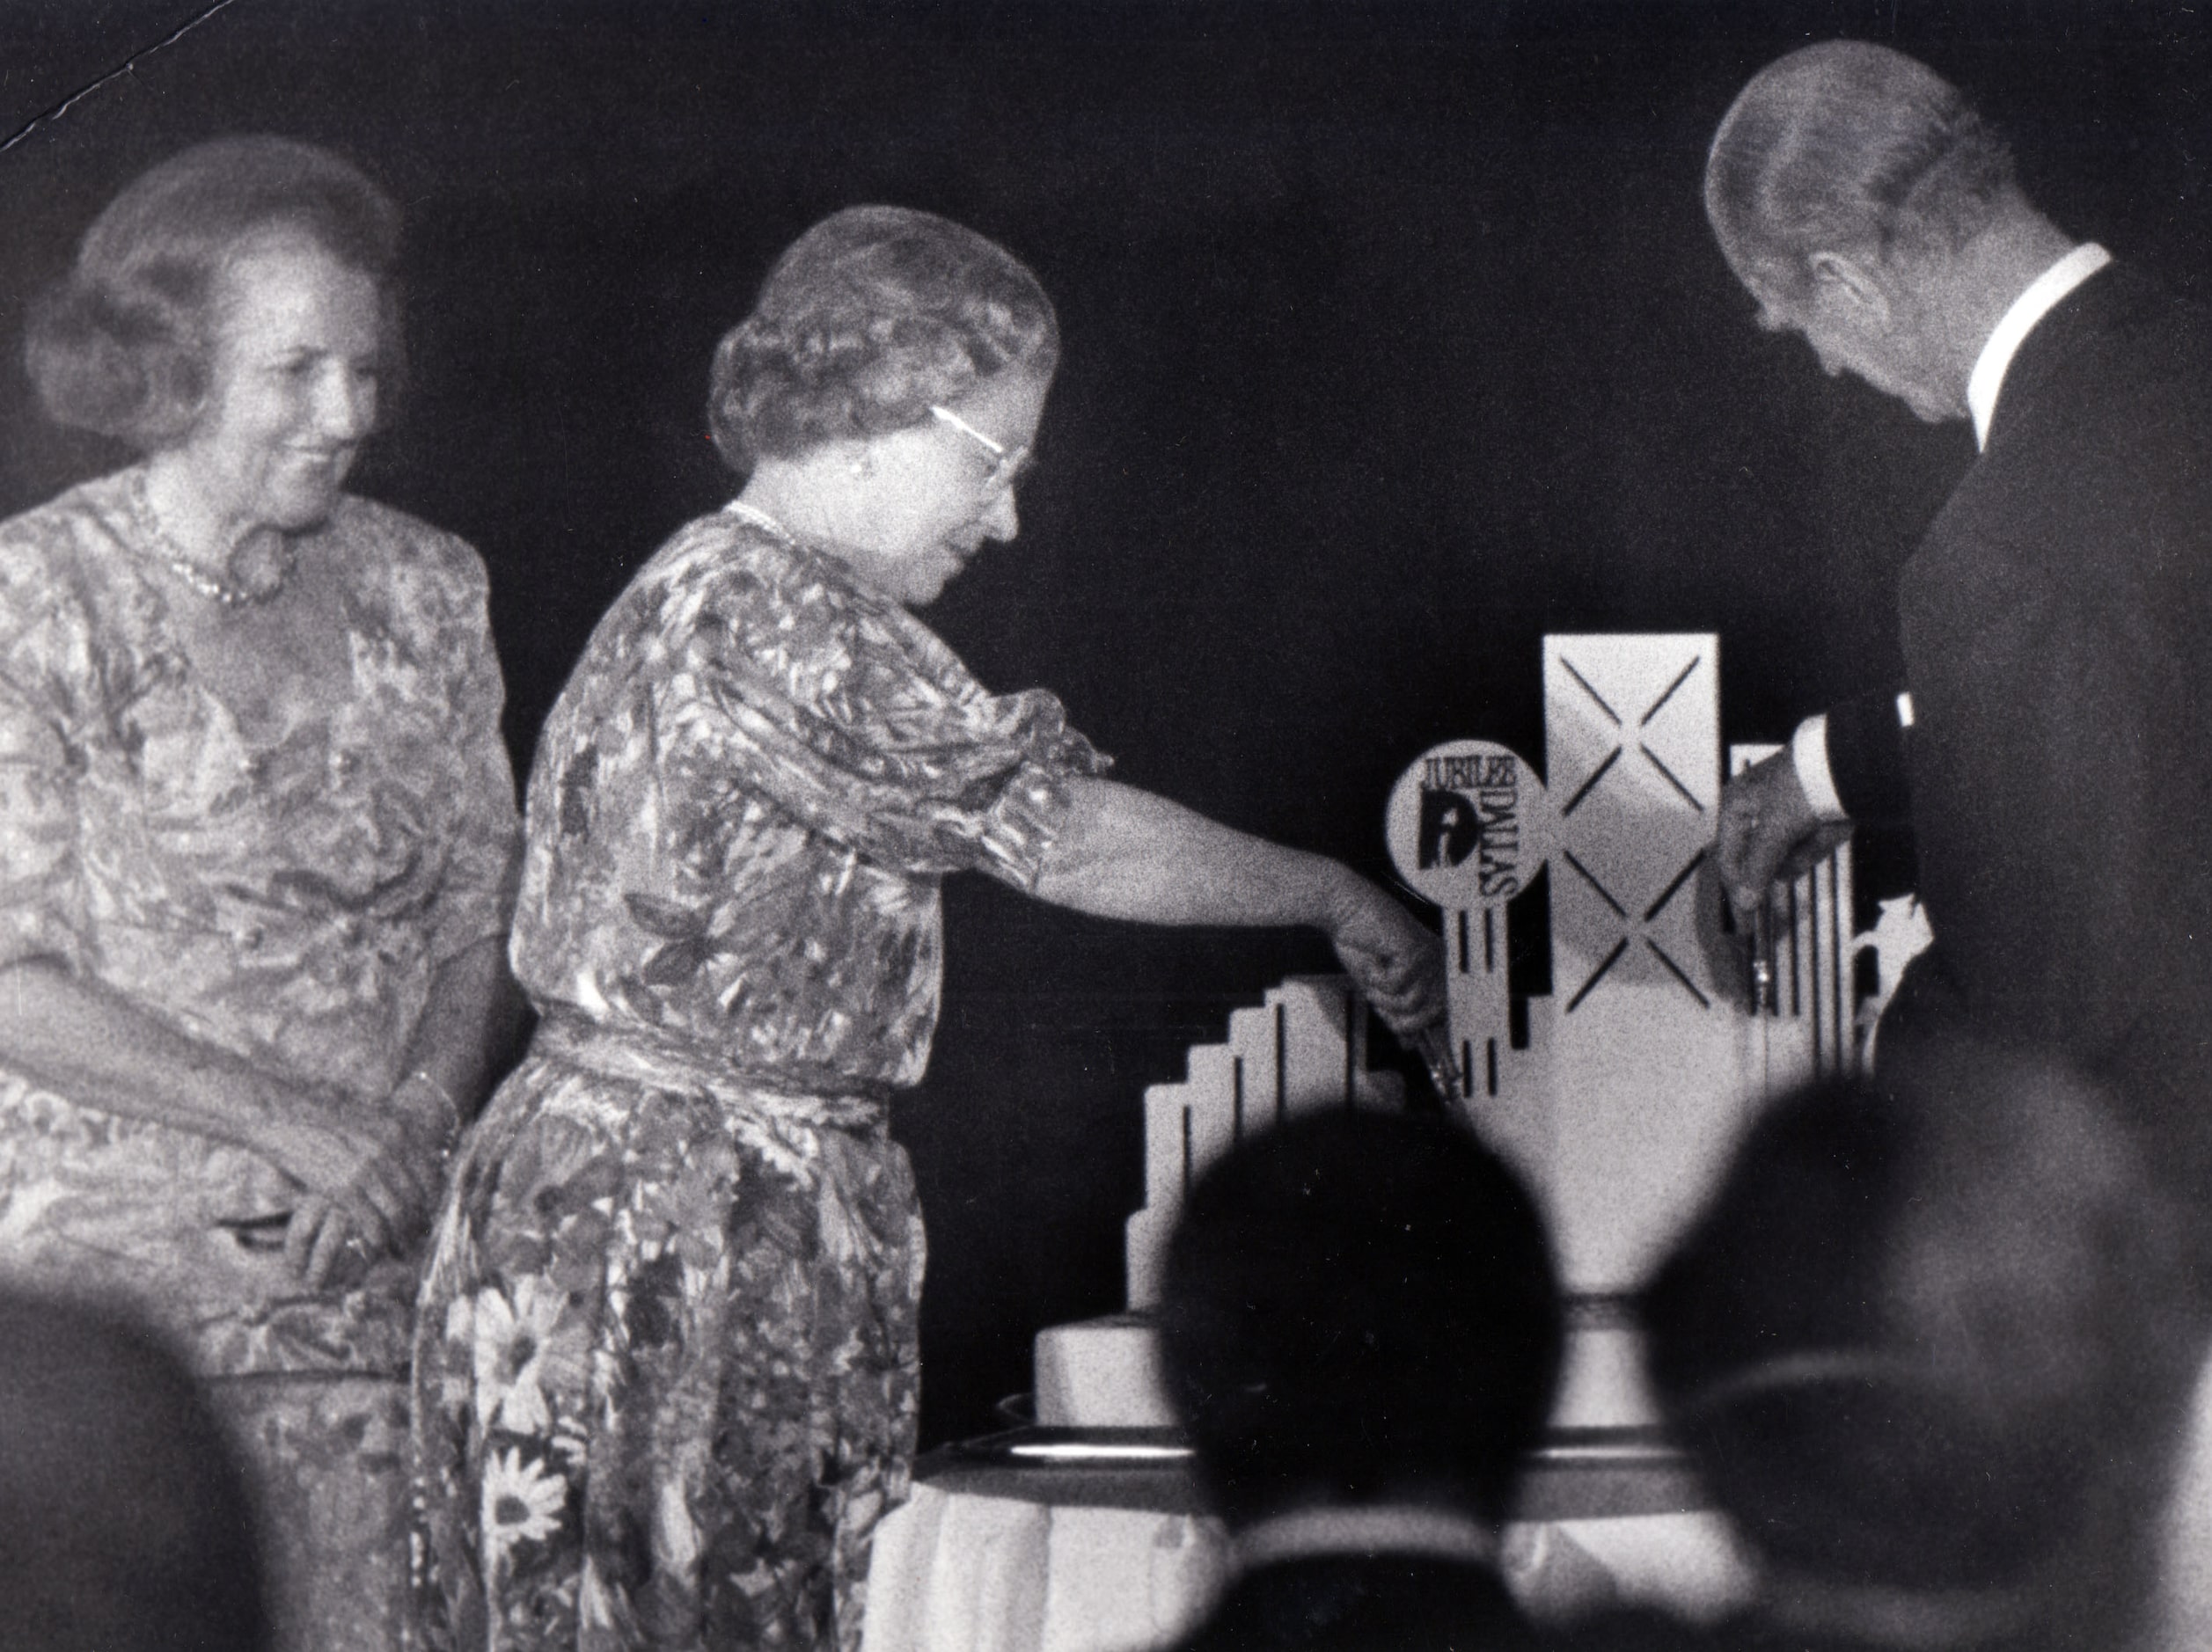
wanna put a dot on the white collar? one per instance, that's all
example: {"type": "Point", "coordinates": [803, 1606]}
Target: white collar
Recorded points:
{"type": "Point", "coordinates": [1367, 1529]}
{"type": "Point", "coordinates": [2029, 307]}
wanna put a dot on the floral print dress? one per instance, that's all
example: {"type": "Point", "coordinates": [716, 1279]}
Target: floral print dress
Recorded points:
{"type": "Point", "coordinates": [288, 898]}
{"type": "Point", "coordinates": [666, 1372]}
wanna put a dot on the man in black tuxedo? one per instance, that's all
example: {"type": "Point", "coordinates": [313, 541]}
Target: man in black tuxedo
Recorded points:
{"type": "Point", "coordinates": [1361, 1330]}
{"type": "Point", "coordinates": [2053, 751]}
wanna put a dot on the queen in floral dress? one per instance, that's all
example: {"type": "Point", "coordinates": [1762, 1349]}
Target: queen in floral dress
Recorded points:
{"type": "Point", "coordinates": [258, 840]}
{"type": "Point", "coordinates": [666, 1368]}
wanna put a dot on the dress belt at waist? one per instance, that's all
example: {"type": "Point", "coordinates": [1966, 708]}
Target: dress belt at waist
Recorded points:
{"type": "Point", "coordinates": [637, 1056]}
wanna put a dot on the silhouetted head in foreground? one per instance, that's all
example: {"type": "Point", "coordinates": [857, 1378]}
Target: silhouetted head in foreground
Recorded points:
{"type": "Point", "coordinates": [1925, 1345]}
{"type": "Point", "coordinates": [1360, 1309]}
{"type": "Point", "coordinates": [126, 1520]}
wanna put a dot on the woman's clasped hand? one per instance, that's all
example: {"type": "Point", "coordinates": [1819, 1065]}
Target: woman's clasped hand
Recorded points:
{"type": "Point", "coordinates": [371, 1181]}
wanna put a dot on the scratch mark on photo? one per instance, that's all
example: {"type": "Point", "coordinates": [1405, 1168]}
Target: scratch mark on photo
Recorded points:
{"type": "Point", "coordinates": [123, 67]}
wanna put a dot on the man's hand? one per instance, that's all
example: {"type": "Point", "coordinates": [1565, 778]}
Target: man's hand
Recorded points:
{"type": "Point", "coordinates": [1768, 831]}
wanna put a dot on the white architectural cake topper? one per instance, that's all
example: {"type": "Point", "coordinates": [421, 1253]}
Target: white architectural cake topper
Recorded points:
{"type": "Point", "coordinates": [1653, 1062]}
{"type": "Point", "coordinates": [1471, 829]}
{"type": "Point", "coordinates": [1304, 1048]}
{"type": "Point", "coordinates": [1599, 1051]}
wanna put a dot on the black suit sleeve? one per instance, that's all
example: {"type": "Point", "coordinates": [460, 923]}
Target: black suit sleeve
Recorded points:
{"type": "Point", "coordinates": [1866, 759]}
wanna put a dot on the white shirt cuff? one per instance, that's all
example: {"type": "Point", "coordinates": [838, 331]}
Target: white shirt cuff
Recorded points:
{"type": "Point", "coordinates": [1809, 757]}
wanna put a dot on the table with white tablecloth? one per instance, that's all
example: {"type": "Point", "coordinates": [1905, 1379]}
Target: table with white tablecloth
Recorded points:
{"type": "Point", "coordinates": [990, 1556]}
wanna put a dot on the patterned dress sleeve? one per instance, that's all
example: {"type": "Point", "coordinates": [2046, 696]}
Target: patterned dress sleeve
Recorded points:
{"type": "Point", "coordinates": [477, 898]}
{"type": "Point", "coordinates": [851, 716]}
{"type": "Point", "coordinates": [46, 672]}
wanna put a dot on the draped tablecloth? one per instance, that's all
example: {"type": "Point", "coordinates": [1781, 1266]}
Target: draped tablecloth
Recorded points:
{"type": "Point", "coordinates": [987, 1557]}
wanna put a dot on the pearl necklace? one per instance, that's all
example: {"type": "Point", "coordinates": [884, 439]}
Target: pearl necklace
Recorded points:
{"type": "Point", "coordinates": [172, 557]}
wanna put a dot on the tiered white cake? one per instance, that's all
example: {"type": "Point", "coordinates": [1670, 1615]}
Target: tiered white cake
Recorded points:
{"type": "Point", "coordinates": [1616, 1080]}
{"type": "Point", "coordinates": [1302, 1050]}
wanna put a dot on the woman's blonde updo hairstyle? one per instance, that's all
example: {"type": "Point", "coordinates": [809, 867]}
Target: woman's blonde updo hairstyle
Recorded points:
{"type": "Point", "coordinates": [869, 317]}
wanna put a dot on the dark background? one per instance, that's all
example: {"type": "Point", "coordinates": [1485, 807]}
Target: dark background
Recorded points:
{"type": "Point", "coordinates": [1393, 339]}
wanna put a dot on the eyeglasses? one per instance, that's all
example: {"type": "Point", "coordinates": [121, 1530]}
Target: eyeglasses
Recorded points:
{"type": "Point", "coordinates": [1008, 464]}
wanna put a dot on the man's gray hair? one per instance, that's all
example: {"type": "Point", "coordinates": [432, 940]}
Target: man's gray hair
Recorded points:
{"type": "Point", "coordinates": [1846, 147]}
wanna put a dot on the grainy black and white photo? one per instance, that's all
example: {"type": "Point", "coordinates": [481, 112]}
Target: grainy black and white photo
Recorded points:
{"type": "Point", "coordinates": [1105, 826]}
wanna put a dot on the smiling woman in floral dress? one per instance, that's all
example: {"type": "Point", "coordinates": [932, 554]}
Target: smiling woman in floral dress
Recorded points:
{"type": "Point", "coordinates": [257, 839]}
{"type": "Point", "coordinates": [666, 1365]}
